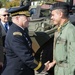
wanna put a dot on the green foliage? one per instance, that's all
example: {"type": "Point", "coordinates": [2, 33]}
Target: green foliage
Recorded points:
{"type": "Point", "coordinates": [3, 2]}
{"type": "Point", "coordinates": [8, 3]}
{"type": "Point", "coordinates": [0, 4]}
{"type": "Point", "coordinates": [13, 3]}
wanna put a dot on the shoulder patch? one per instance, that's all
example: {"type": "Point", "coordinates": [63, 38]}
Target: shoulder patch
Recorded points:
{"type": "Point", "coordinates": [17, 33]}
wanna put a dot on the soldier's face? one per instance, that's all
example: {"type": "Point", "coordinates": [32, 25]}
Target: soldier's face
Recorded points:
{"type": "Point", "coordinates": [56, 17]}
{"type": "Point", "coordinates": [4, 16]}
{"type": "Point", "coordinates": [24, 21]}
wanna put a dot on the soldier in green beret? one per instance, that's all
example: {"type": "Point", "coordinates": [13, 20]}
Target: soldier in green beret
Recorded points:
{"type": "Point", "coordinates": [64, 41]}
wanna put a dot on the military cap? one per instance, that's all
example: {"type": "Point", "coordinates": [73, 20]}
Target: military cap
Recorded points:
{"type": "Point", "coordinates": [19, 10]}
{"type": "Point", "coordinates": [60, 5]}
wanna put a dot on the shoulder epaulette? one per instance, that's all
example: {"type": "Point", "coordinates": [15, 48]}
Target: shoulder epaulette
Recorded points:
{"type": "Point", "coordinates": [17, 33]}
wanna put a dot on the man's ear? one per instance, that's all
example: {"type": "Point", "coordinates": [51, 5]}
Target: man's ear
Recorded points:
{"type": "Point", "coordinates": [61, 14]}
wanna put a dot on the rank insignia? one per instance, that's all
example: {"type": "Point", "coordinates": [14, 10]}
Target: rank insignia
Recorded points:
{"type": "Point", "coordinates": [17, 33]}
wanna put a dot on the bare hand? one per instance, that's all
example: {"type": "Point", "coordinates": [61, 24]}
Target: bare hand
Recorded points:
{"type": "Point", "coordinates": [46, 66]}
{"type": "Point", "coordinates": [51, 64]}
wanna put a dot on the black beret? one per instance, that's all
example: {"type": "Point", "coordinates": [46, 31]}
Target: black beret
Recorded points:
{"type": "Point", "coordinates": [60, 5]}
{"type": "Point", "coordinates": [19, 10]}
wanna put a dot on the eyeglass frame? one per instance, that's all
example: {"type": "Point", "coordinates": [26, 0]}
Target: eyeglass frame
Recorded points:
{"type": "Point", "coordinates": [6, 15]}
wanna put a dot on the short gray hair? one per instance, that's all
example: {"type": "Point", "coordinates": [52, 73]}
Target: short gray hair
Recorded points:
{"type": "Point", "coordinates": [3, 10]}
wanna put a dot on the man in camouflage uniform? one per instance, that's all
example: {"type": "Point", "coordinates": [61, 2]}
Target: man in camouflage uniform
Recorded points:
{"type": "Point", "coordinates": [64, 43]}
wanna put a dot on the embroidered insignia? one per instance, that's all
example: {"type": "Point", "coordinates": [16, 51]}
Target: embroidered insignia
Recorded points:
{"type": "Point", "coordinates": [17, 33]}
{"type": "Point", "coordinates": [39, 65]}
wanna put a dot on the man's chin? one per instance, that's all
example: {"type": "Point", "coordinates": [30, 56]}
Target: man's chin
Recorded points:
{"type": "Point", "coordinates": [6, 21]}
{"type": "Point", "coordinates": [54, 23]}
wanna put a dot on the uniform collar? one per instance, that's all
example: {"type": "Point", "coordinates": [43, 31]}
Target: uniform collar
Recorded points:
{"type": "Point", "coordinates": [21, 27]}
{"type": "Point", "coordinates": [62, 26]}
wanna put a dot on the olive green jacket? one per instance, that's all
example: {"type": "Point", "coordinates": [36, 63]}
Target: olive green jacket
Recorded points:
{"type": "Point", "coordinates": [64, 50]}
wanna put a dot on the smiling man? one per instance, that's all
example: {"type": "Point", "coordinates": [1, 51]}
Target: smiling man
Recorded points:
{"type": "Point", "coordinates": [5, 24]}
{"type": "Point", "coordinates": [64, 41]}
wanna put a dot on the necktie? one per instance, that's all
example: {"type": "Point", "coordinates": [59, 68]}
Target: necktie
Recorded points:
{"type": "Point", "coordinates": [6, 27]}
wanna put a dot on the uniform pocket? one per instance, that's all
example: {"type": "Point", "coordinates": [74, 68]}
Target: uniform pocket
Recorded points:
{"type": "Point", "coordinates": [62, 70]}
{"type": "Point", "coordinates": [61, 50]}
{"type": "Point", "coordinates": [59, 70]}
{"type": "Point", "coordinates": [72, 70]}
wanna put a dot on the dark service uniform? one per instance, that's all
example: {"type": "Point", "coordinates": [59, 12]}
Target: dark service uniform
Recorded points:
{"type": "Point", "coordinates": [1, 52]}
{"type": "Point", "coordinates": [20, 60]}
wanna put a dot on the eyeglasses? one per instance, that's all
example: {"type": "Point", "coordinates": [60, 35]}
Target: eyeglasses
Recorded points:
{"type": "Point", "coordinates": [5, 15]}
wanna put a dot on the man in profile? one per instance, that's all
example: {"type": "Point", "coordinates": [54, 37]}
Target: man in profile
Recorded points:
{"type": "Point", "coordinates": [18, 45]}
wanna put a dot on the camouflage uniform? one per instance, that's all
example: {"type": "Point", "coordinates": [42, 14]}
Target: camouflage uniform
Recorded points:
{"type": "Point", "coordinates": [64, 50]}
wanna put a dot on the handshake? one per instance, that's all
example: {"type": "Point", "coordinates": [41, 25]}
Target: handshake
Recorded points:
{"type": "Point", "coordinates": [49, 65]}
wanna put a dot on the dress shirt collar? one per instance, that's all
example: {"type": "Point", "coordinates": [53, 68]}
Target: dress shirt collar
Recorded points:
{"type": "Point", "coordinates": [3, 23]}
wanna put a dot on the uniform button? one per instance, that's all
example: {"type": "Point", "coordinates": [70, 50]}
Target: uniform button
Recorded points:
{"type": "Point", "coordinates": [21, 68]}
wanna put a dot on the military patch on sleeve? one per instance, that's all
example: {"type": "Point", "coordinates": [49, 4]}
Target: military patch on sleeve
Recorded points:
{"type": "Point", "coordinates": [38, 67]}
{"type": "Point", "coordinates": [17, 33]}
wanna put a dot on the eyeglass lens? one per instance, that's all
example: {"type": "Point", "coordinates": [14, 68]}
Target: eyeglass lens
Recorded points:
{"type": "Point", "coordinates": [6, 15]}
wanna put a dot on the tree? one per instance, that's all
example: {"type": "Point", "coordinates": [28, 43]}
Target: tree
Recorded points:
{"type": "Point", "coordinates": [12, 3]}
{"type": "Point", "coordinates": [9, 3]}
{"type": "Point", "coordinates": [0, 4]}
{"type": "Point", "coordinates": [3, 2]}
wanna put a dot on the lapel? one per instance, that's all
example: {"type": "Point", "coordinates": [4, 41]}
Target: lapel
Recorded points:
{"type": "Point", "coordinates": [3, 30]}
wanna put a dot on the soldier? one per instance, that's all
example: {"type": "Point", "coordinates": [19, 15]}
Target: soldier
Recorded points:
{"type": "Point", "coordinates": [20, 60]}
{"type": "Point", "coordinates": [64, 46]}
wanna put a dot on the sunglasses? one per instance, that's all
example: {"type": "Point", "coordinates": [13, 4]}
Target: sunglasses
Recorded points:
{"type": "Point", "coordinates": [5, 15]}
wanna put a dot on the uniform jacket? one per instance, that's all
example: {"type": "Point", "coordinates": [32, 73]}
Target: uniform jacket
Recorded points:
{"type": "Point", "coordinates": [1, 51]}
{"type": "Point", "coordinates": [3, 31]}
{"type": "Point", "coordinates": [64, 50]}
{"type": "Point", "coordinates": [19, 53]}
{"type": "Point", "coordinates": [1, 47]}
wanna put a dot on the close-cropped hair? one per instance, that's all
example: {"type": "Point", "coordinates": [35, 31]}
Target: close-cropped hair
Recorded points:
{"type": "Point", "coordinates": [64, 11]}
{"type": "Point", "coordinates": [63, 7]}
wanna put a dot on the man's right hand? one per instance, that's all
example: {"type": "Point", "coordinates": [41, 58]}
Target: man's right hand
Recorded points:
{"type": "Point", "coordinates": [46, 66]}
{"type": "Point", "coordinates": [49, 65]}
